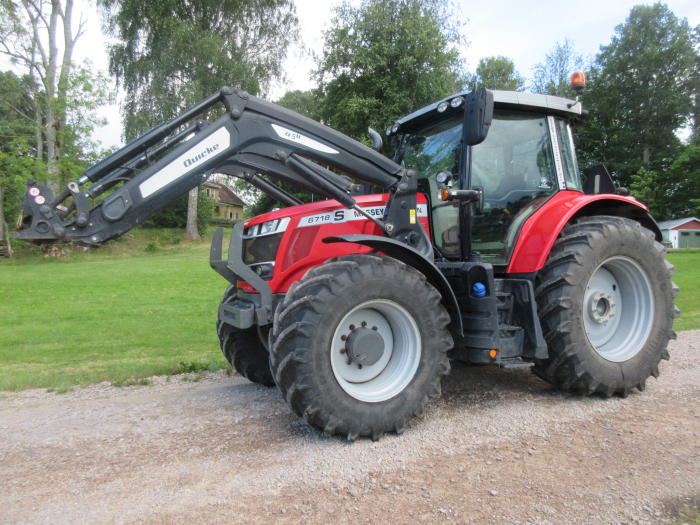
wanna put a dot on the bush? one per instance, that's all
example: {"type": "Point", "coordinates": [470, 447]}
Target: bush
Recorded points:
{"type": "Point", "coordinates": [152, 246]}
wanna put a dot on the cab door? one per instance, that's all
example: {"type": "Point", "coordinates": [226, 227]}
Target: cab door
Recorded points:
{"type": "Point", "coordinates": [430, 150]}
{"type": "Point", "coordinates": [515, 167]}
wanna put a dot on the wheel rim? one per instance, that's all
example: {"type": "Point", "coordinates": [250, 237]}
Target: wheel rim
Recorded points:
{"type": "Point", "coordinates": [618, 309]}
{"type": "Point", "coordinates": [396, 367]}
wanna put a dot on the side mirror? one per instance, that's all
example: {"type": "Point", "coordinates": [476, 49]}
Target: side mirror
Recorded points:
{"type": "Point", "coordinates": [478, 116]}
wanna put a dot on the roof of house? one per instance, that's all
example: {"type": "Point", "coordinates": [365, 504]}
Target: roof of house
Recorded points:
{"type": "Point", "coordinates": [669, 225]}
{"type": "Point", "coordinates": [226, 196]}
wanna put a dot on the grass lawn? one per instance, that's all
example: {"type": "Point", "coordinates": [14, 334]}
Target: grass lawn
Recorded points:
{"type": "Point", "coordinates": [687, 277]}
{"type": "Point", "coordinates": [110, 314]}
{"type": "Point", "coordinates": [121, 313]}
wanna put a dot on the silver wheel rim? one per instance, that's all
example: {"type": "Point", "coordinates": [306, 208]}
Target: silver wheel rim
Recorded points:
{"type": "Point", "coordinates": [392, 373]}
{"type": "Point", "coordinates": [618, 309]}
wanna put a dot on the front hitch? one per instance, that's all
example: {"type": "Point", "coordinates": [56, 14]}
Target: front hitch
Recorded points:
{"type": "Point", "coordinates": [234, 269]}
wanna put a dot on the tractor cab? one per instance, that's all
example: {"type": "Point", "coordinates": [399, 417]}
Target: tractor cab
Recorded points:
{"type": "Point", "coordinates": [527, 156]}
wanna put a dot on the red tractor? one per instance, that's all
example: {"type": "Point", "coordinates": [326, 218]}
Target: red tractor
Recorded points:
{"type": "Point", "coordinates": [485, 247]}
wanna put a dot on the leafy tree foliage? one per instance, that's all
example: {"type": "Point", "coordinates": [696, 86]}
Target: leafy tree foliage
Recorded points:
{"type": "Point", "coordinates": [674, 192]}
{"type": "Point", "coordinates": [303, 102]}
{"type": "Point", "coordinates": [17, 155]}
{"type": "Point", "coordinates": [639, 94]}
{"type": "Point", "coordinates": [29, 32]}
{"type": "Point", "coordinates": [497, 72]}
{"type": "Point", "coordinates": [553, 76]}
{"type": "Point", "coordinates": [171, 54]}
{"type": "Point", "coordinates": [695, 118]}
{"type": "Point", "coordinates": [88, 90]}
{"type": "Point", "coordinates": [383, 59]}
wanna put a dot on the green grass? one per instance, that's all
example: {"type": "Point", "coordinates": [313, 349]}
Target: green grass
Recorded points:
{"type": "Point", "coordinates": [123, 314]}
{"type": "Point", "coordinates": [116, 314]}
{"type": "Point", "coordinates": [687, 277]}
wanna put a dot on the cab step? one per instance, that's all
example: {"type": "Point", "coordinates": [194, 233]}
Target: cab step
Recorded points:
{"type": "Point", "coordinates": [515, 362]}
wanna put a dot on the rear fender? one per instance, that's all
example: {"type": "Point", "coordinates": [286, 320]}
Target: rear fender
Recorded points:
{"type": "Point", "coordinates": [540, 231]}
{"type": "Point", "coordinates": [414, 259]}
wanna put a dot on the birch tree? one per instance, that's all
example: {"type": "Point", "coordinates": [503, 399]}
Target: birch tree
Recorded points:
{"type": "Point", "coordinates": [40, 36]}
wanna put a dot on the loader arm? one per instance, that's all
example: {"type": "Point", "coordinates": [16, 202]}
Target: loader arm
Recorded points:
{"type": "Point", "coordinates": [252, 137]}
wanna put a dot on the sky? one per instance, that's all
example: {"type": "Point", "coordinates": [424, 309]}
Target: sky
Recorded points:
{"type": "Point", "coordinates": [521, 30]}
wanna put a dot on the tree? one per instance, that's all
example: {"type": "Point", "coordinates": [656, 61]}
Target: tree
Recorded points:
{"type": "Point", "coordinates": [675, 193]}
{"type": "Point", "coordinates": [173, 53]}
{"type": "Point", "coordinates": [17, 153]}
{"type": "Point", "coordinates": [383, 59]}
{"type": "Point", "coordinates": [695, 117]}
{"type": "Point", "coordinates": [639, 94]}
{"type": "Point", "coordinates": [303, 102]}
{"type": "Point", "coordinates": [31, 33]}
{"type": "Point", "coordinates": [88, 90]}
{"type": "Point", "coordinates": [553, 76]}
{"type": "Point", "coordinates": [497, 72]}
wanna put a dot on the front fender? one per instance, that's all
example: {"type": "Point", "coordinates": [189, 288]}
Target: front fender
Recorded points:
{"type": "Point", "coordinates": [414, 259]}
{"type": "Point", "coordinates": [539, 232]}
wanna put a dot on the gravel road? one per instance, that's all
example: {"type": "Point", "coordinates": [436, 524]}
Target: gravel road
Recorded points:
{"type": "Point", "coordinates": [500, 446]}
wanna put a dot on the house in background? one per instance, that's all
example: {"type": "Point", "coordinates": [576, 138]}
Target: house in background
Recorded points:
{"type": "Point", "coordinates": [228, 204]}
{"type": "Point", "coordinates": [681, 233]}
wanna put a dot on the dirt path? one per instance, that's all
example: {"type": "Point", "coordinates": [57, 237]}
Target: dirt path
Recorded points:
{"type": "Point", "coordinates": [500, 446]}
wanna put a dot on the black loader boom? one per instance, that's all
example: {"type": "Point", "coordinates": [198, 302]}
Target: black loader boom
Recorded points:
{"type": "Point", "coordinates": [253, 137]}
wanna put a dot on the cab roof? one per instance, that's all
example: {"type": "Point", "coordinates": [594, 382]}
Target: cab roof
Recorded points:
{"type": "Point", "coordinates": [503, 99]}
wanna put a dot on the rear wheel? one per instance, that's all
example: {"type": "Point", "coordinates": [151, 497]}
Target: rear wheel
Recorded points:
{"type": "Point", "coordinates": [605, 300]}
{"type": "Point", "coordinates": [359, 346]}
{"type": "Point", "coordinates": [245, 349]}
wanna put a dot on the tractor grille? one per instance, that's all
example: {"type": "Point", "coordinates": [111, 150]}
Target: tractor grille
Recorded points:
{"type": "Point", "coordinates": [262, 249]}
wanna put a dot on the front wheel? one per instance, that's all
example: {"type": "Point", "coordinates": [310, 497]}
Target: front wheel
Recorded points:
{"type": "Point", "coordinates": [359, 346]}
{"type": "Point", "coordinates": [605, 300]}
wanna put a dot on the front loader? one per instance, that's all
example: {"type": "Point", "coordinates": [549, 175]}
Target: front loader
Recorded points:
{"type": "Point", "coordinates": [478, 242]}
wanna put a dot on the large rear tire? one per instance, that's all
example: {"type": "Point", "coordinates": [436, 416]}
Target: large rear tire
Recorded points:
{"type": "Point", "coordinates": [605, 300]}
{"type": "Point", "coordinates": [359, 346]}
{"type": "Point", "coordinates": [244, 349]}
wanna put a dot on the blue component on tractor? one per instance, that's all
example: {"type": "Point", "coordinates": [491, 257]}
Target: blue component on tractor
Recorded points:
{"type": "Point", "coordinates": [479, 290]}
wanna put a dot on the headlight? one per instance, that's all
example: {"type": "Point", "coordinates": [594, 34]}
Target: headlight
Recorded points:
{"type": "Point", "coordinates": [443, 177]}
{"type": "Point", "coordinates": [443, 106]}
{"type": "Point", "coordinates": [267, 228]}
